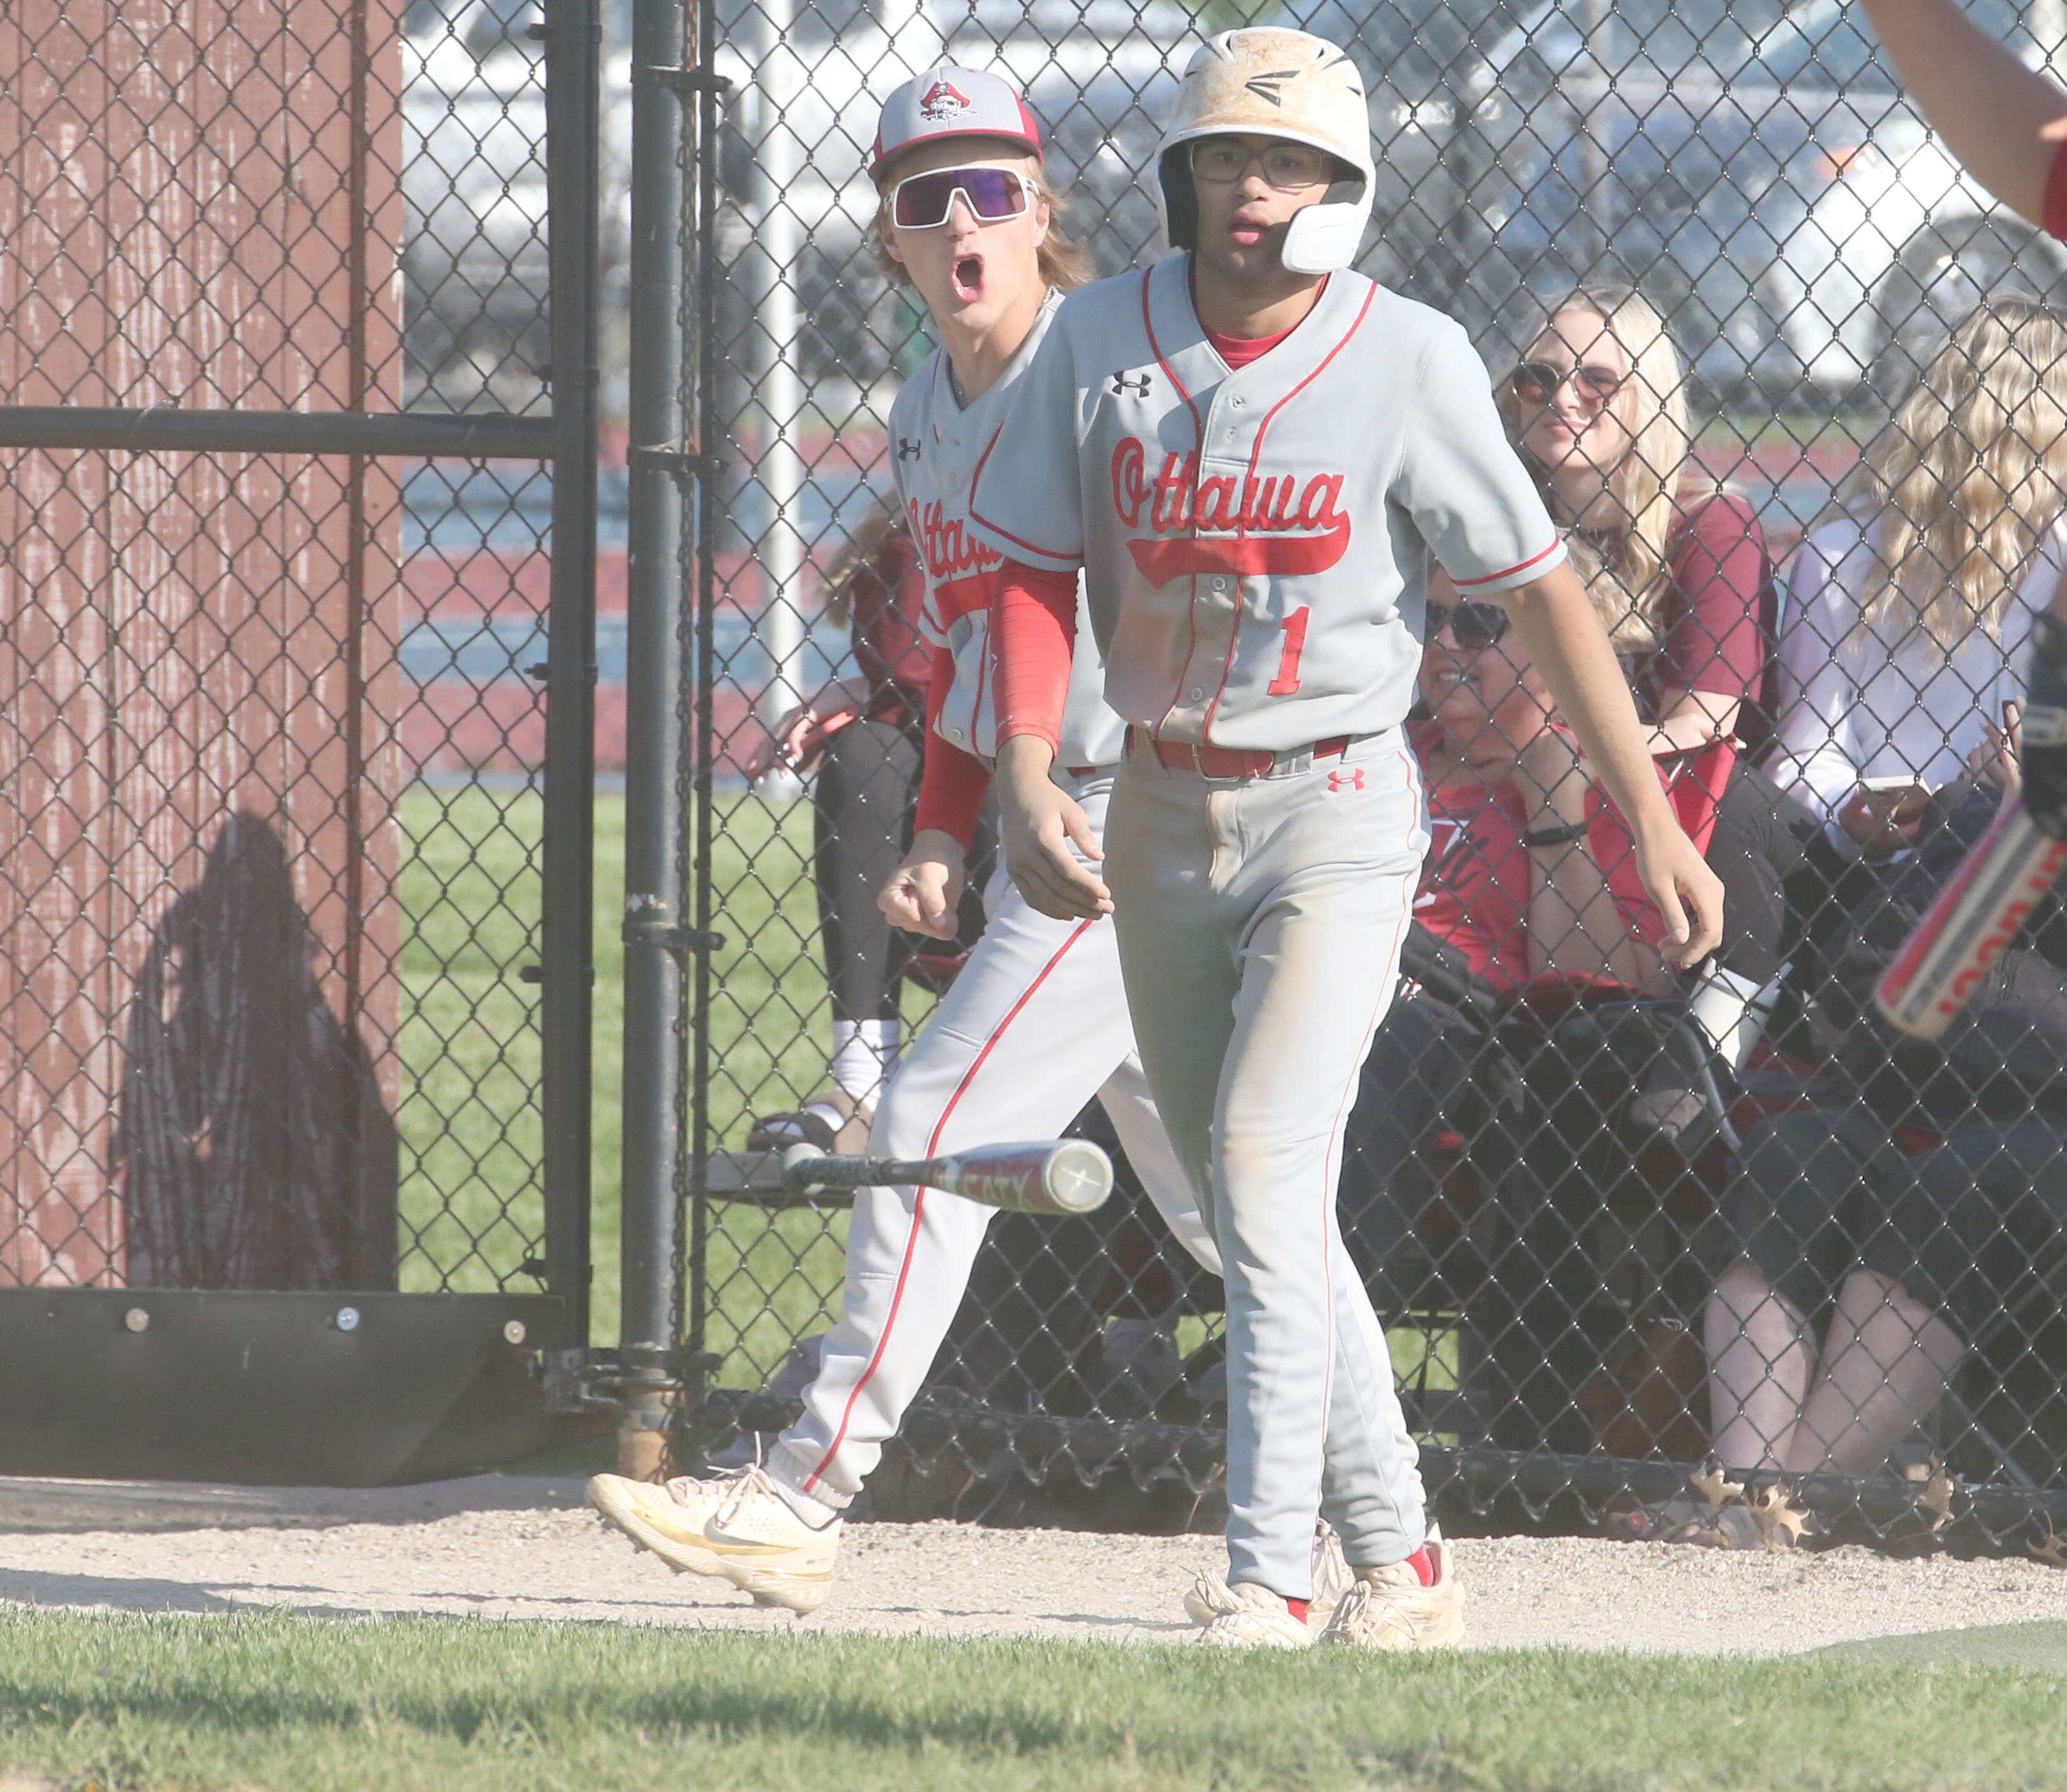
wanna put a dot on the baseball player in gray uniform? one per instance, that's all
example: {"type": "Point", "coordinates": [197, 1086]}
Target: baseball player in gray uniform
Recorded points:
{"type": "Point", "coordinates": [1036, 1023]}
{"type": "Point", "coordinates": [1252, 453]}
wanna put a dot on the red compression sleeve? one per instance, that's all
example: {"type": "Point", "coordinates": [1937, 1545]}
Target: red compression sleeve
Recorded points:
{"type": "Point", "coordinates": [953, 784]}
{"type": "Point", "coordinates": [1033, 633]}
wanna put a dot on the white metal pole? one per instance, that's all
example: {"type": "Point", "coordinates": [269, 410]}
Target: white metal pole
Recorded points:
{"type": "Point", "coordinates": [778, 468]}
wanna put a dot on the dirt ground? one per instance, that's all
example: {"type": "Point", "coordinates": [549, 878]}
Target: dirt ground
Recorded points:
{"type": "Point", "coordinates": [503, 1547]}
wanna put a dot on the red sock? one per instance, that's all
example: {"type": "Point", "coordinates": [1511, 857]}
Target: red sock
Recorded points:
{"type": "Point", "coordinates": [1297, 1608]}
{"type": "Point", "coordinates": [1418, 1562]}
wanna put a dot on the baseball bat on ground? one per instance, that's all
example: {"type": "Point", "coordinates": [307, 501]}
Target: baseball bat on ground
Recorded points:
{"type": "Point", "coordinates": [1947, 957]}
{"type": "Point", "coordinates": [1048, 1175]}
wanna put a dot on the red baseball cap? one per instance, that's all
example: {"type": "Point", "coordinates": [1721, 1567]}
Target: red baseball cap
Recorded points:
{"type": "Point", "coordinates": [949, 101]}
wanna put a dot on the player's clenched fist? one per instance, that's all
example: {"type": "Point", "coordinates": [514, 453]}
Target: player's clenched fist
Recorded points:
{"type": "Point", "coordinates": [924, 893]}
{"type": "Point", "coordinates": [1686, 893]}
{"type": "Point", "coordinates": [1038, 824]}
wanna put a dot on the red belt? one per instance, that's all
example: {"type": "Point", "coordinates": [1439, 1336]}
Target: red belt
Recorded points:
{"type": "Point", "coordinates": [1227, 761]}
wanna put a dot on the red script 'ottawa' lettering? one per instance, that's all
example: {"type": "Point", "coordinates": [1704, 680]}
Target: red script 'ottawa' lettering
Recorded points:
{"type": "Point", "coordinates": [950, 551]}
{"type": "Point", "coordinates": [1221, 524]}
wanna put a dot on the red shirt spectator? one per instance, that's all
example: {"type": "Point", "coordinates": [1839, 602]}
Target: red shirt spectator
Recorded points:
{"type": "Point", "coordinates": [1716, 624]}
{"type": "Point", "coordinates": [883, 596]}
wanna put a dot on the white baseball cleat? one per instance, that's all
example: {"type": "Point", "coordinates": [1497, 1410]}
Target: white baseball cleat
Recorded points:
{"type": "Point", "coordinates": [1209, 1595]}
{"type": "Point", "coordinates": [738, 1529]}
{"type": "Point", "coordinates": [1256, 1618]}
{"type": "Point", "coordinates": [1389, 1608]}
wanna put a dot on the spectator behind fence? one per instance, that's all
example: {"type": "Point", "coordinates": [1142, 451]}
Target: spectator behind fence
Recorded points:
{"type": "Point", "coordinates": [2008, 125]}
{"type": "Point", "coordinates": [1874, 1241]}
{"type": "Point", "coordinates": [1598, 407]}
{"type": "Point", "coordinates": [1493, 912]}
{"type": "Point", "coordinates": [1503, 779]}
{"type": "Point", "coordinates": [1907, 611]}
{"type": "Point", "coordinates": [864, 737]}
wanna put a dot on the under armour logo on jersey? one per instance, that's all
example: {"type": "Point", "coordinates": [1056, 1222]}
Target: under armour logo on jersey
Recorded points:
{"type": "Point", "coordinates": [1139, 386]}
{"type": "Point", "coordinates": [909, 448]}
{"type": "Point", "coordinates": [1347, 780]}
{"type": "Point", "coordinates": [1270, 86]}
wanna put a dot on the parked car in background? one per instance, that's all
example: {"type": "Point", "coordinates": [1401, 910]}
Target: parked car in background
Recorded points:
{"type": "Point", "coordinates": [1753, 168]}
{"type": "Point", "coordinates": [474, 248]}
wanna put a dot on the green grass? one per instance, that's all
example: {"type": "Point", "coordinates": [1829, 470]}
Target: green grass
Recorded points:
{"type": "Point", "coordinates": [468, 1112]}
{"type": "Point", "coordinates": [188, 1705]}
{"type": "Point", "coordinates": [2039, 1645]}
{"type": "Point", "coordinates": [468, 1107]}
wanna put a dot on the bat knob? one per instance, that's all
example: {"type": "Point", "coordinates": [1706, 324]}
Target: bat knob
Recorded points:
{"type": "Point", "coordinates": [1078, 1176]}
{"type": "Point", "coordinates": [797, 1162]}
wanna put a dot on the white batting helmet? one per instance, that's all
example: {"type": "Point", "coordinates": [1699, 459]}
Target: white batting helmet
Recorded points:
{"type": "Point", "coordinates": [1269, 81]}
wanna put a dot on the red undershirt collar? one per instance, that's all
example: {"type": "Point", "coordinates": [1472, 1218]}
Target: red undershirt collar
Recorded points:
{"type": "Point", "coordinates": [1238, 351]}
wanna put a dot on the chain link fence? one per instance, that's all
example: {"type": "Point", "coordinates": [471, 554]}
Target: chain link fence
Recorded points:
{"type": "Point", "coordinates": [1806, 425]}
{"type": "Point", "coordinates": [280, 587]}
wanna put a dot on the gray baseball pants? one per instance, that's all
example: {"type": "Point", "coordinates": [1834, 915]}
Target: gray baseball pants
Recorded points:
{"type": "Point", "coordinates": [1260, 922]}
{"type": "Point", "coordinates": [1035, 1025]}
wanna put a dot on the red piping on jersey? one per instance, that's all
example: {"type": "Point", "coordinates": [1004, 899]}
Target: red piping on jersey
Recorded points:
{"type": "Point", "coordinates": [1270, 415]}
{"type": "Point", "coordinates": [1199, 436]}
{"type": "Point", "coordinates": [1331, 1166]}
{"type": "Point", "coordinates": [919, 1202]}
{"type": "Point", "coordinates": [1555, 543]}
{"type": "Point", "coordinates": [983, 460]}
{"type": "Point", "coordinates": [1332, 546]}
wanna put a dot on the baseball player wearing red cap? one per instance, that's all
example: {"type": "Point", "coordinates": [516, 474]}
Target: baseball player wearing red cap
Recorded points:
{"type": "Point", "coordinates": [1251, 452]}
{"type": "Point", "coordinates": [1036, 1023]}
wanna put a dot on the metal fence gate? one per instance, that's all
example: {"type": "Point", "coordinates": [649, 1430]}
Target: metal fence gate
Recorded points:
{"type": "Point", "coordinates": [1586, 1165]}
{"type": "Point", "coordinates": [298, 332]}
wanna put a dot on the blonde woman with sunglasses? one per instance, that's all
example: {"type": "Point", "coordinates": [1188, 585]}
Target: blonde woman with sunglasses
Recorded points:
{"type": "Point", "coordinates": [1036, 1023]}
{"type": "Point", "coordinates": [1598, 407]}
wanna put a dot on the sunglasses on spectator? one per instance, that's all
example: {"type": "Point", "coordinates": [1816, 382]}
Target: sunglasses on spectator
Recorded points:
{"type": "Point", "coordinates": [1474, 625]}
{"type": "Point", "coordinates": [922, 201]}
{"type": "Point", "coordinates": [1287, 167]}
{"type": "Point", "coordinates": [1540, 380]}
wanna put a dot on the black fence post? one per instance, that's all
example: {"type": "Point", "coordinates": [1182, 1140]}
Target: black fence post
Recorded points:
{"type": "Point", "coordinates": [573, 37]}
{"type": "Point", "coordinates": [653, 930]}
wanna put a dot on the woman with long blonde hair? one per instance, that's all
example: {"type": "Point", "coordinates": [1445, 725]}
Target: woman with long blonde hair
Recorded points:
{"type": "Point", "coordinates": [1598, 407]}
{"type": "Point", "coordinates": [1908, 609]}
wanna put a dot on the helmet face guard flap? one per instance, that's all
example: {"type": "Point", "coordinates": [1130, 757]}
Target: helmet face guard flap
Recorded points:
{"type": "Point", "coordinates": [1267, 82]}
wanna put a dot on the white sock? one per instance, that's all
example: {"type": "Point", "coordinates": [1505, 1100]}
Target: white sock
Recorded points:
{"type": "Point", "coordinates": [864, 1054]}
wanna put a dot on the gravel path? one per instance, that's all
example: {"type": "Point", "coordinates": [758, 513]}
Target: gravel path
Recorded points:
{"type": "Point", "coordinates": [499, 1548]}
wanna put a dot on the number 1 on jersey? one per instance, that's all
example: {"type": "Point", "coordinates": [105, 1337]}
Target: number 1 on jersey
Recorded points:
{"type": "Point", "coordinates": [1287, 680]}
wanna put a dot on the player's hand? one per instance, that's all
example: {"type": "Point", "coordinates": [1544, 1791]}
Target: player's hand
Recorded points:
{"type": "Point", "coordinates": [1038, 824]}
{"type": "Point", "coordinates": [1686, 893]}
{"type": "Point", "coordinates": [924, 894]}
{"type": "Point", "coordinates": [800, 736]}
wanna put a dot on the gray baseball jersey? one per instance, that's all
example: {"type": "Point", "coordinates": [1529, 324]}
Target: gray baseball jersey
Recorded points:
{"type": "Point", "coordinates": [936, 441]}
{"type": "Point", "coordinates": [1255, 543]}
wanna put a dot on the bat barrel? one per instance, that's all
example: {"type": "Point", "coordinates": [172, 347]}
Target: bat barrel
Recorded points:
{"type": "Point", "coordinates": [1976, 917]}
{"type": "Point", "coordinates": [1052, 1176]}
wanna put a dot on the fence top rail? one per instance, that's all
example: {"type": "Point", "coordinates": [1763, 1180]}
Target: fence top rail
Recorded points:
{"type": "Point", "coordinates": [166, 427]}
